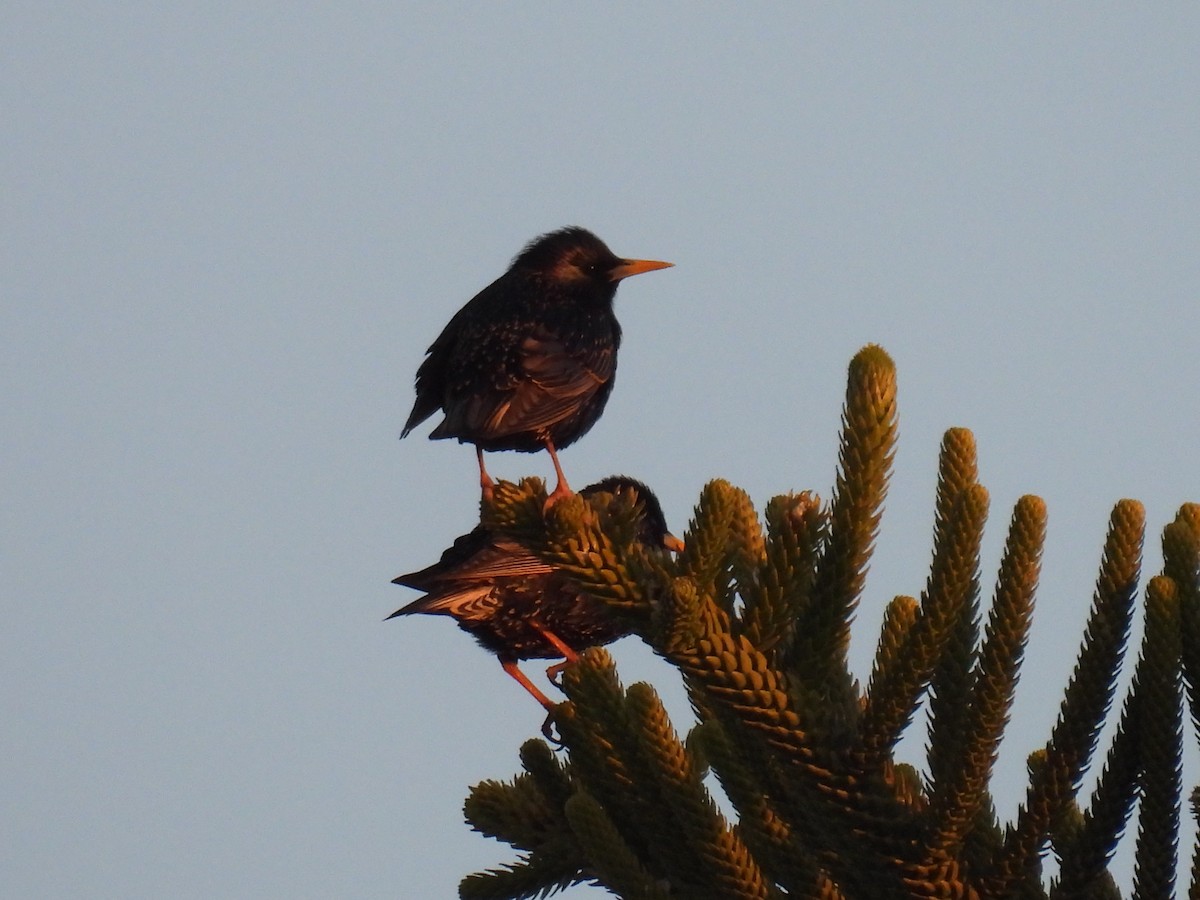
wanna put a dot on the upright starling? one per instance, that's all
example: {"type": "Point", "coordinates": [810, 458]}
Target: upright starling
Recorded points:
{"type": "Point", "coordinates": [517, 606]}
{"type": "Point", "coordinates": [529, 361]}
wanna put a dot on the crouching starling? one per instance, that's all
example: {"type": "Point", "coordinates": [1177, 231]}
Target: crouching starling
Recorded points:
{"type": "Point", "coordinates": [529, 361]}
{"type": "Point", "coordinates": [517, 606]}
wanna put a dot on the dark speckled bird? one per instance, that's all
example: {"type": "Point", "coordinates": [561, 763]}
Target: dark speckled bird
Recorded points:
{"type": "Point", "coordinates": [529, 361]}
{"type": "Point", "coordinates": [517, 606]}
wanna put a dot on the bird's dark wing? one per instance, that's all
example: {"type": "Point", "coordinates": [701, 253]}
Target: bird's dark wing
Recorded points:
{"type": "Point", "coordinates": [431, 381]}
{"type": "Point", "coordinates": [453, 558]}
{"type": "Point", "coordinates": [462, 583]}
{"type": "Point", "coordinates": [549, 384]}
{"type": "Point", "coordinates": [469, 602]}
{"type": "Point", "coordinates": [477, 556]}
{"type": "Point", "coordinates": [436, 372]}
{"type": "Point", "coordinates": [501, 558]}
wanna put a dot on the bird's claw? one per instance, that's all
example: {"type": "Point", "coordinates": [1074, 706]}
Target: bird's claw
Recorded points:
{"type": "Point", "coordinates": [548, 731]}
{"type": "Point", "coordinates": [555, 672]}
{"type": "Point", "coordinates": [554, 498]}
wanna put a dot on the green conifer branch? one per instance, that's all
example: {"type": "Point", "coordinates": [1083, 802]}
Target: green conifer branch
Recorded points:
{"type": "Point", "coordinates": [950, 682]}
{"type": "Point", "coordinates": [762, 772]}
{"type": "Point", "coordinates": [519, 814]}
{"type": "Point", "coordinates": [1087, 855]}
{"type": "Point", "coordinates": [947, 629]}
{"type": "Point", "coordinates": [864, 466]}
{"type": "Point", "coordinates": [1085, 851]}
{"type": "Point", "coordinates": [1085, 704]}
{"type": "Point", "coordinates": [1181, 562]}
{"type": "Point", "coordinates": [961, 792]}
{"type": "Point", "coordinates": [907, 784]}
{"type": "Point", "coordinates": [1161, 744]}
{"type": "Point", "coordinates": [746, 692]}
{"type": "Point", "coordinates": [958, 469]}
{"type": "Point", "coordinates": [595, 729]}
{"type": "Point", "coordinates": [1084, 856]}
{"type": "Point", "coordinates": [596, 553]}
{"type": "Point", "coordinates": [676, 617]}
{"type": "Point", "coordinates": [1181, 548]}
{"type": "Point", "coordinates": [777, 598]}
{"type": "Point", "coordinates": [841, 811]}
{"type": "Point", "coordinates": [668, 815]}
{"type": "Point", "coordinates": [1194, 883]}
{"type": "Point", "coordinates": [672, 808]}
{"type": "Point", "coordinates": [1099, 884]}
{"type": "Point", "coordinates": [949, 692]}
{"type": "Point", "coordinates": [748, 550]}
{"type": "Point", "coordinates": [708, 542]}
{"type": "Point", "coordinates": [732, 671]}
{"type": "Point", "coordinates": [530, 878]}
{"type": "Point", "coordinates": [887, 694]}
{"type": "Point", "coordinates": [983, 840]}
{"type": "Point", "coordinates": [515, 812]}
{"type": "Point", "coordinates": [514, 510]}
{"type": "Point", "coordinates": [552, 777]}
{"type": "Point", "coordinates": [663, 772]}
{"type": "Point", "coordinates": [615, 865]}
{"type": "Point", "coordinates": [952, 578]}
{"type": "Point", "coordinates": [726, 868]}
{"type": "Point", "coordinates": [766, 833]}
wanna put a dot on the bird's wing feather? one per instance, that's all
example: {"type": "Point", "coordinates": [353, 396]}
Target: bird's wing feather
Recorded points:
{"type": "Point", "coordinates": [435, 372]}
{"type": "Point", "coordinates": [551, 383]}
{"type": "Point", "coordinates": [503, 558]}
{"type": "Point", "coordinates": [465, 603]}
{"type": "Point", "coordinates": [463, 582]}
{"type": "Point", "coordinates": [452, 559]}
{"type": "Point", "coordinates": [476, 557]}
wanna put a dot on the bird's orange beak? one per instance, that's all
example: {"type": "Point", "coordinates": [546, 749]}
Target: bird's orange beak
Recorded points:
{"type": "Point", "coordinates": [672, 543]}
{"type": "Point", "coordinates": [636, 267]}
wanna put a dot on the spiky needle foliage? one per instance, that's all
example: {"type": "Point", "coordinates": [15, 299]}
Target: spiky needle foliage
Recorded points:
{"type": "Point", "coordinates": [755, 614]}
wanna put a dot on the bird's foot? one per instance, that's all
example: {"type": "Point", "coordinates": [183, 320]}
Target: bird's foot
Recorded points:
{"type": "Point", "coordinates": [560, 492]}
{"type": "Point", "coordinates": [548, 731]}
{"type": "Point", "coordinates": [554, 673]}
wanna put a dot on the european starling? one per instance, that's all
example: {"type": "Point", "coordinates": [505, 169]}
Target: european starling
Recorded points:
{"type": "Point", "coordinates": [529, 361]}
{"type": "Point", "coordinates": [517, 606]}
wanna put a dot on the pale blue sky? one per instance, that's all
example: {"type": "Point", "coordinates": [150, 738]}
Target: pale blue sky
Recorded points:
{"type": "Point", "coordinates": [230, 233]}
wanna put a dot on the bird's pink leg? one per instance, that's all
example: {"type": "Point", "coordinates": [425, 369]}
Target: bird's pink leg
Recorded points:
{"type": "Point", "coordinates": [554, 672]}
{"type": "Point", "coordinates": [562, 489]}
{"type": "Point", "coordinates": [511, 668]}
{"type": "Point", "coordinates": [485, 480]}
{"type": "Point", "coordinates": [556, 642]}
{"type": "Point", "coordinates": [569, 655]}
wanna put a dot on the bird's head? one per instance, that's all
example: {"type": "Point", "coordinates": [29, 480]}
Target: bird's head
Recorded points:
{"type": "Point", "coordinates": [651, 523]}
{"type": "Point", "coordinates": [575, 257]}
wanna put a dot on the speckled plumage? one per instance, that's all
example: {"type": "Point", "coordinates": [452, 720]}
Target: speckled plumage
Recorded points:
{"type": "Point", "coordinates": [529, 362]}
